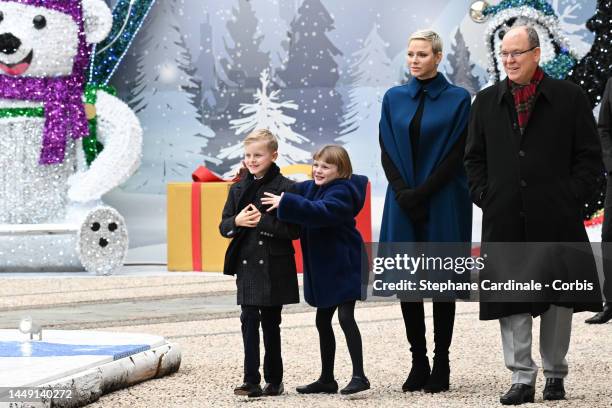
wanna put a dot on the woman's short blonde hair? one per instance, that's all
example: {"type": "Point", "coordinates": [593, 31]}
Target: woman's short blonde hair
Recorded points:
{"type": "Point", "coordinates": [262, 135]}
{"type": "Point", "coordinates": [428, 35]}
{"type": "Point", "coordinates": [338, 156]}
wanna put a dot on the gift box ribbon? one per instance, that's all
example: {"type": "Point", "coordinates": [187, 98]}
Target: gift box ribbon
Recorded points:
{"type": "Point", "coordinates": [200, 175]}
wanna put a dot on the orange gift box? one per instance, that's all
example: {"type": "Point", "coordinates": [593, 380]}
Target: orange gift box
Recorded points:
{"type": "Point", "coordinates": [194, 214]}
{"type": "Point", "coordinates": [193, 217]}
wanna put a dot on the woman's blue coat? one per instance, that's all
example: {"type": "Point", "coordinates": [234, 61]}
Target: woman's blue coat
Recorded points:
{"type": "Point", "coordinates": [445, 117]}
{"type": "Point", "coordinates": [331, 245]}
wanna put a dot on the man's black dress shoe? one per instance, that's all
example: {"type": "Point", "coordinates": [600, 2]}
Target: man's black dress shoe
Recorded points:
{"type": "Point", "coordinates": [357, 384]}
{"type": "Point", "coordinates": [602, 317]}
{"type": "Point", "coordinates": [248, 390]}
{"type": "Point", "coordinates": [554, 390]}
{"type": "Point", "coordinates": [318, 387]}
{"type": "Point", "coordinates": [518, 394]}
{"type": "Point", "coordinates": [272, 390]}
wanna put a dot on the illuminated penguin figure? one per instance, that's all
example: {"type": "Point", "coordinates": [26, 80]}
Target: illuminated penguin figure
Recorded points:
{"type": "Point", "coordinates": [557, 57]}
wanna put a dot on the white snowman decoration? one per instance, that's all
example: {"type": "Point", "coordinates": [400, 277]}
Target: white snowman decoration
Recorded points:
{"type": "Point", "coordinates": [51, 213]}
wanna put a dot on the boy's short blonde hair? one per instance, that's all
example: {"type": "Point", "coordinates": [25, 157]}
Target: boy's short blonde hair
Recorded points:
{"type": "Point", "coordinates": [262, 135]}
{"type": "Point", "coordinates": [338, 156]}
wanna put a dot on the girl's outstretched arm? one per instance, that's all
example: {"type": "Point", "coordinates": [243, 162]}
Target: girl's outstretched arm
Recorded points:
{"type": "Point", "coordinates": [335, 208]}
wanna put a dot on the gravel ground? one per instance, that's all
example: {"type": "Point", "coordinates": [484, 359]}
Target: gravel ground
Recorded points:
{"type": "Point", "coordinates": [212, 364]}
{"type": "Point", "coordinates": [212, 349]}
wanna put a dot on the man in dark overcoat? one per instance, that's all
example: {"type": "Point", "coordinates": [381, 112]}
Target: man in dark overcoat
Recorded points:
{"type": "Point", "coordinates": [532, 156]}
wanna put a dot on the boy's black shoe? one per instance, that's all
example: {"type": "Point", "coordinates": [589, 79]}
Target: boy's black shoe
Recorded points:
{"type": "Point", "coordinates": [554, 390]}
{"type": "Point", "coordinates": [248, 390]}
{"type": "Point", "coordinates": [357, 384]}
{"type": "Point", "coordinates": [318, 387]}
{"type": "Point", "coordinates": [518, 395]}
{"type": "Point", "coordinates": [273, 390]}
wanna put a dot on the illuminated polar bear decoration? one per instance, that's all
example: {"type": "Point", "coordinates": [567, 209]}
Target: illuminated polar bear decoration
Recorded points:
{"type": "Point", "coordinates": [51, 213]}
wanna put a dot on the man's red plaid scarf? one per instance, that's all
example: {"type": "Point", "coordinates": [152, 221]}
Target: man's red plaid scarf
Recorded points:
{"type": "Point", "coordinates": [524, 97]}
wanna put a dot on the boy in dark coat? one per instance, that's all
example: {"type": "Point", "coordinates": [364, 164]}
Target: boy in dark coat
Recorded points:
{"type": "Point", "coordinates": [326, 208]}
{"type": "Point", "coordinates": [261, 256]}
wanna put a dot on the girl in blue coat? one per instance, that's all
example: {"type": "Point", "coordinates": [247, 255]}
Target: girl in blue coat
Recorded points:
{"type": "Point", "coordinates": [326, 207]}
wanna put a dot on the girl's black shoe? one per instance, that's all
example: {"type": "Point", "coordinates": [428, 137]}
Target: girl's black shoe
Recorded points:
{"type": "Point", "coordinates": [357, 384]}
{"type": "Point", "coordinates": [418, 377]}
{"type": "Point", "coordinates": [318, 387]}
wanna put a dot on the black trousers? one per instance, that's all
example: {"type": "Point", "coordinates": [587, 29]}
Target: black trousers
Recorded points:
{"type": "Point", "coordinates": [270, 319]}
{"type": "Point", "coordinates": [606, 249]}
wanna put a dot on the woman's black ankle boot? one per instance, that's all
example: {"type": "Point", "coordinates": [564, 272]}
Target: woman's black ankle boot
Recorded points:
{"type": "Point", "coordinates": [440, 376]}
{"type": "Point", "coordinates": [419, 375]}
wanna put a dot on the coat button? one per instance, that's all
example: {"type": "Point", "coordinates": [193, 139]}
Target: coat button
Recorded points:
{"type": "Point", "coordinates": [523, 183]}
{"type": "Point", "coordinates": [261, 261]}
{"type": "Point", "coordinates": [260, 242]}
{"type": "Point", "coordinates": [244, 261]}
{"type": "Point", "coordinates": [521, 153]}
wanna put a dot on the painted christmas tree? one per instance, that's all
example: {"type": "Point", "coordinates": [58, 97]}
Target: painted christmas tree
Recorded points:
{"type": "Point", "coordinates": [245, 59]}
{"type": "Point", "coordinates": [267, 113]}
{"type": "Point", "coordinates": [206, 71]}
{"type": "Point", "coordinates": [373, 75]}
{"type": "Point", "coordinates": [462, 69]}
{"type": "Point", "coordinates": [310, 73]}
{"type": "Point", "coordinates": [163, 98]}
{"type": "Point", "coordinates": [236, 74]}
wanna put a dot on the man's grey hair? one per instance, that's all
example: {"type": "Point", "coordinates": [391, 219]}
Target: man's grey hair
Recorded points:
{"type": "Point", "coordinates": [532, 37]}
{"type": "Point", "coordinates": [428, 35]}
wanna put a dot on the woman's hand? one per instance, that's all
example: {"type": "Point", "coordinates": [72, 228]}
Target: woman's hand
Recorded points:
{"type": "Point", "coordinates": [249, 217]}
{"type": "Point", "coordinates": [272, 200]}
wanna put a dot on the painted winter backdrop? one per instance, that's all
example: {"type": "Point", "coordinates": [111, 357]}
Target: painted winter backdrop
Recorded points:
{"type": "Point", "coordinates": [202, 74]}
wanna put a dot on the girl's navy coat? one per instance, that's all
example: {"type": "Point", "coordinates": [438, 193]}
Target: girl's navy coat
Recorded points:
{"type": "Point", "coordinates": [331, 244]}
